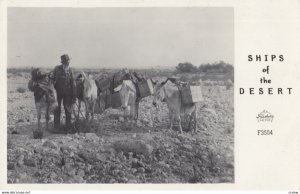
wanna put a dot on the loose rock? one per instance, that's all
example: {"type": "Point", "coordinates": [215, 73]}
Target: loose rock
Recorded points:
{"type": "Point", "coordinates": [188, 147]}
{"type": "Point", "coordinates": [136, 146]}
{"type": "Point", "coordinates": [80, 172]}
{"type": "Point", "coordinates": [52, 175]}
{"type": "Point", "coordinates": [50, 144]}
{"type": "Point", "coordinates": [91, 137]}
{"type": "Point", "coordinates": [20, 160]}
{"type": "Point", "coordinates": [11, 166]}
{"type": "Point", "coordinates": [141, 169]}
{"type": "Point", "coordinates": [30, 162]}
{"type": "Point", "coordinates": [132, 181]}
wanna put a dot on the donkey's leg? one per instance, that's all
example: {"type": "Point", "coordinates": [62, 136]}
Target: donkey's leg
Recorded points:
{"type": "Point", "coordinates": [79, 107]}
{"type": "Point", "coordinates": [127, 114]}
{"type": "Point", "coordinates": [41, 130]}
{"type": "Point", "coordinates": [179, 123]}
{"type": "Point", "coordinates": [87, 108]}
{"type": "Point", "coordinates": [171, 121]}
{"type": "Point", "coordinates": [36, 131]}
{"type": "Point", "coordinates": [127, 111]}
{"type": "Point", "coordinates": [132, 118]}
{"type": "Point", "coordinates": [39, 118]}
{"type": "Point", "coordinates": [47, 116]}
{"type": "Point", "coordinates": [93, 109]}
{"type": "Point", "coordinates": [195, 121]}
{"type": "Point", "coordinates": [132, 111]}
{"type": "Point", "coordinates": [87, 115]}
{"type": "Point", "coordinates": [190, 117]}
{"type": "Point", "coordinates": [137, 103]}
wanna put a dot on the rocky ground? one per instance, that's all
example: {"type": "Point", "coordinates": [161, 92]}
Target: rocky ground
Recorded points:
{"type": "Point", "coordinates": [115, 151]}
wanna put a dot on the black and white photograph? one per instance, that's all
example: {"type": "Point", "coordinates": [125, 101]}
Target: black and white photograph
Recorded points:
{"type": "Point", "coordinates": [124, 95]}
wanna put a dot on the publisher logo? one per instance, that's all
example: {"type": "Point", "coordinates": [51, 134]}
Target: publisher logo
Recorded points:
{"type": "Point", "coordinates": [265, 116]}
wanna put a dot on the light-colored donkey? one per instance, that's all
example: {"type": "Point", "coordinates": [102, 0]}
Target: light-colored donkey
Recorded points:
{"type": "Point", "coordinates": [87, 93]}
{"type": "Point", "coordinates": [129, 101]}
{"type": "Point", "coordinates": [170, 93]}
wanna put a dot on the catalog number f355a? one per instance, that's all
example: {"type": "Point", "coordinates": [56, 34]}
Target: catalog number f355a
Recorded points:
{"type": "Point", "coordinates": [265, 132]}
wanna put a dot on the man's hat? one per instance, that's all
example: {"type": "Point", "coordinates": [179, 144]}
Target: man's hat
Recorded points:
{"type": "Point", "coordinates": [64, 57]}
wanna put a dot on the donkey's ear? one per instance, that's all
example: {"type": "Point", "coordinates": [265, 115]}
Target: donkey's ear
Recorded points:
{"type": "Point", "coordinates": [83, 74]}
{"type": "Point", "coordinates": [153, 82]}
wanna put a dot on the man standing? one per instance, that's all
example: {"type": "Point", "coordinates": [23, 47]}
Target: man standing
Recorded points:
{"type": "Point", "coordinates": [64, 84]}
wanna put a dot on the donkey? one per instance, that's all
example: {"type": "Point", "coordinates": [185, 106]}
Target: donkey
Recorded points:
{"type": "Point", "coordinates": [44, 96]}
{"type": "Point", "coordinates": [128, 95]}
{"type": "Point", "coordinates": [169, 92]}
{"type": "Point", "coordinates": [86, 92]}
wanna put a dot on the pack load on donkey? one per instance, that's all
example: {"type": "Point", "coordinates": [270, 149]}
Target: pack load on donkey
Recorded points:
{"type": "Point", "coordinates": [108, 86]}
{"type": "Point", "coordinates": [190, 93]}
{"type": "Point", "coordinates": [145, 88]}
{"type": "Point", "coordinates": [41, 84]}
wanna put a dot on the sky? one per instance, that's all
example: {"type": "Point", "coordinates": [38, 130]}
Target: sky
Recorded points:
{"type": "Point", "coordinates": [119, 37]}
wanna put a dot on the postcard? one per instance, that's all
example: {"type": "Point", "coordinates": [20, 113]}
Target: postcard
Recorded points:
{"type": "Point", "coordinates": [149, 95]}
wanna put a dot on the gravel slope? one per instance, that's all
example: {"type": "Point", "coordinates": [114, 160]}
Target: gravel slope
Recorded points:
{"type": "Point", "coordinates": [119, 152]}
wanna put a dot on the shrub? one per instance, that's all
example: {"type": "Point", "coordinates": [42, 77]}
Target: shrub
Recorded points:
{"type": "Point", "coordinates": [217, 67]}
{"type": "Point", "coordinates": [186, 68]}
{"type": "Point", "coordinates": [21, 90]}
{"type": "Point", "coordinates": [18, 71]}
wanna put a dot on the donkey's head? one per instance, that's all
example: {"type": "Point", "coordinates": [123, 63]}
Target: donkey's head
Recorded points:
{"type": "Point", "coordinates": [88, 86]}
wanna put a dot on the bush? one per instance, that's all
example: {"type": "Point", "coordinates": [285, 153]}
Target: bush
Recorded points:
{"type": "Point", "coordinates": [18, 71]}
{"type": "Point", "coordinates": [218, 67]}
{"type": "Point", "coordinates": [21, 90]}
{"type": "Point", "coordinates": [217, 71]}
{"type": "Point", "coordinates": [186, 68]}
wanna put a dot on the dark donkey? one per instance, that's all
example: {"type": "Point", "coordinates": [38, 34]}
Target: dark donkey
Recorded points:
{"type": "Point", "coordinates": [44, 97]}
